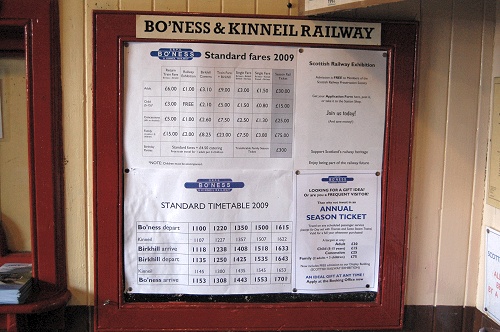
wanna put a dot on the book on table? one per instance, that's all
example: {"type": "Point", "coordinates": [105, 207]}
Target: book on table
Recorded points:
{"type": "Point", "coordinates": [16, 281]}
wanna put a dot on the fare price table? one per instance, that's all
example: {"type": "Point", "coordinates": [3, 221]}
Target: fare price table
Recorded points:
{"type": "Point", "coordinates": [214, 253]}
{"type": "Point", "coordinates": [219, 112]}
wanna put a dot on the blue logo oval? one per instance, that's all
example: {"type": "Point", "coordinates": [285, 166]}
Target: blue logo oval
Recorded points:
{"type": "Point", "coordinates": [214, 185]}
{"type": "Point", "coordinates": [175, 54]}
{"type": "Point", "coordinates": [337, 179]}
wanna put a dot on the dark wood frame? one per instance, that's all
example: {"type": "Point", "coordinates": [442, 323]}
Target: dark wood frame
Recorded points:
{"type": "Point", "coordinates": [39, 44]}
{"type": "Point", "coordinates": [111, 30]}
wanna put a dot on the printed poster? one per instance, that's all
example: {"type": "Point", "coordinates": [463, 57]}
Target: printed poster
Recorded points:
{"type": "Point", "coordinates": [338, 218]}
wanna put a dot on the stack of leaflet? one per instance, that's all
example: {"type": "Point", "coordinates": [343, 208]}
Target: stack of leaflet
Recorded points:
{"type": "Point", "coordinates": [16, 282]}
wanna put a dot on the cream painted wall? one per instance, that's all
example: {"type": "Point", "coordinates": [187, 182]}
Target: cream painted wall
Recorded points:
{"type": "Point", "coordinates": [452, 112]}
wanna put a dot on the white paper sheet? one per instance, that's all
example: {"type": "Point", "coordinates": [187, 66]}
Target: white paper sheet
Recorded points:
{"type": "Point", "coordinates": [204, 111]}
{"type": "Point", "coordinates": [208, 232]}
{"type": "Point", "coordinates": [338, 220]}
{"type": "Point", "coordinates": [340, 115]}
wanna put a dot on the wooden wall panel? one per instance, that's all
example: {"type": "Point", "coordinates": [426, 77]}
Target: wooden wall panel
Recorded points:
{"type": "Point", "coordinates": [204, 6]}
{"type": "Point", "coordinates": [170, 5]}
{"type": "Point", "coordinates": [272, 7]}
{"type": "Point", "coordinates": [403, 10]}
{"type": "Point", "coordinates": [238, 7]}
{"type": "Point", "coordinates": [463, 92]}
{"type": "Point", "coordinates": [490, 214]}
{"type": "Point", "coordinates": [428, 163]}
{"type": "Point", "coordinates": [474, 279]}
{"type": "Point", "coordinates": [78, 238]}
{"type": "Point", "coordinates": [136, 5]}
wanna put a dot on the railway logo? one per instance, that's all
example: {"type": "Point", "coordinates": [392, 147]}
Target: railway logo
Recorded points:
{"type": "Point", "coordinates": [337, 179]}
{"type": "Point", "coordinates": [175, 54]}
{"type": "Point", "coordinates": [214, 185]}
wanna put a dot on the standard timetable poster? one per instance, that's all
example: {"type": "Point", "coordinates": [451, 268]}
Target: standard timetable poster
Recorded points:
{"type": "Point", "coordinates": [222, 145]}
{"type": "Point", "coordinates": [233, 239]}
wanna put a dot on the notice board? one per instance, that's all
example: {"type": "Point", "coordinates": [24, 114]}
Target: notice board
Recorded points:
{"type": "Point", "coordinates": [248, 163]}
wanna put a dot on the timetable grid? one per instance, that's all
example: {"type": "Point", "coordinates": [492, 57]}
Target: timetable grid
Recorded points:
{"type": "Point", "coordinates": [214, 253]}
{"type": "Point", "coordinates": [219, 112]}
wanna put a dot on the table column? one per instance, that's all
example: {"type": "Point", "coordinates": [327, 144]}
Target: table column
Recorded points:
{"type": "Point", "coordinates": [161, 248]}
{"type": "Point", "coordinates": [223, 105]}
{"type": "Point", "coordinates": [151, 118]}
{"type": "Point", "coordinates": [243, 105]}
{"type": "Point", "coordinates": [262, 106]}
{"type": "Point", "coordinates": [261, 252]}
{"type": "Point", "coordinates": [240, 253]}
{"type": "Point", "coordinates": [281, 272]}
{"type": "Point", "coordinates": [220, 253]}
{"type": "Point", "coordinates": [282, 113]}
{"type": "Point", "coordinates": [170, 104]}
{"type": "Point", "coordinates": [204, 104]}
{"type": "Point", "coordinates": [199, 254]}
{"type": "Point", "coordinates": [187, 95]}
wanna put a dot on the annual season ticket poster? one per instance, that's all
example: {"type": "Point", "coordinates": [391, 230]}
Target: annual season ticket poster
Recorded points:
{"type": "Point", "coordinates": [221, 144]}
{"type": "Point", "coordinates": [338, 218]}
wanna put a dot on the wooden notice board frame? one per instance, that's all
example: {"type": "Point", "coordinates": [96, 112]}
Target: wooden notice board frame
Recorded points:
{"type": "Point", "coordinates": [112, 312]}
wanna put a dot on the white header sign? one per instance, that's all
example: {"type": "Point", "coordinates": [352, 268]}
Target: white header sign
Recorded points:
{"type": "Point", "coordinates": [259, 30]}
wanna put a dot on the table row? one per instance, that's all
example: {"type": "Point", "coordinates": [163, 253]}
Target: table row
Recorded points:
{"type": "Point", "coordinates": [220, 104]}
{"type": "Point", "coordinates": [220, 134]}
{"type": "Point", "coordinates": [217, 248]}
{"type": "Point", "coordinates": [225, 74]}
{"type": "Point", "coordinates": [215, 269]}
{"type": "Point", "coordinates": [209, 227]}
{"type": "Point", "coordinates": [234, 90]}
{"type": "Point", "coordinates": [218, 119]}
{"type": "Point", "coordinates": [160, 238]}
{"type": "Point", "coordinates": [183, 279]}
{"type": "Point", "coordinates": [224, 149]}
